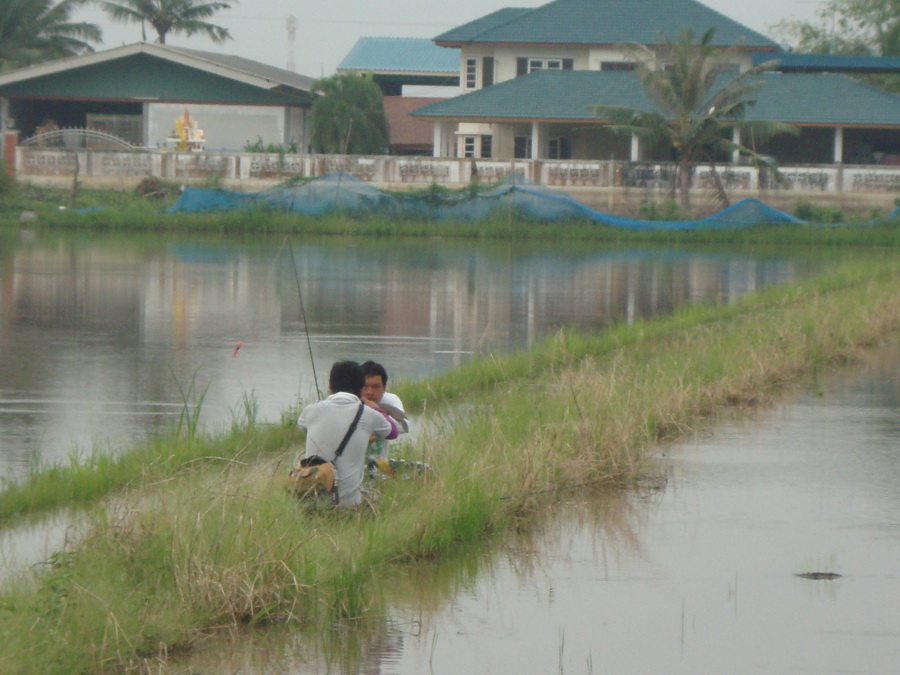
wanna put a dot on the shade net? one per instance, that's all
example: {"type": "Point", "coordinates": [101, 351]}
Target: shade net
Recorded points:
{"type": "Point", "coordinates": [342, 193]}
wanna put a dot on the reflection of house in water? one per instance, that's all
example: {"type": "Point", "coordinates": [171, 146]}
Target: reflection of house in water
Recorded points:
{"type": "Point", "coordinates": [453, 300]}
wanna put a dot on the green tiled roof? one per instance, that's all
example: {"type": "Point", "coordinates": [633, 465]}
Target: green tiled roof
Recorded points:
{"type": "Point", "coordinates": [568, 95]}
{"type": "Point", "coordinates": [602, 22]}
{"type": "Point", "coordinates": [832, 63]}
{"type": "Point", "coordinates": [414, 55]}
{"type": "Point", "coordinates": [470, 31]}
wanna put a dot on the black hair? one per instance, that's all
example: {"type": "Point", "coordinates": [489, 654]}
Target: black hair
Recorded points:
{"type": "Point", "coordinates": [346, 376]}
{"type": "Point", "coordinates": [371, 368]}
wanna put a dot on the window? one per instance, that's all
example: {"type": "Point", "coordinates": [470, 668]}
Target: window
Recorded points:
{"type": "Point", "coordinates": [487, 146]}
{"type": "Point", "coordinates": [522, 147]}
{"type": "Point", "coordinates": [478, 146]}
{"type": "Point", "coordinates": [471, 73]}
{"type": "Point", "coordinates": [487, 71]}
{"type": "Point", "coordinates": [617, 65]}
{"type": "Point", "coordinates": [525, 65]}
{"type": "Point", "coordinates": [559, 148]}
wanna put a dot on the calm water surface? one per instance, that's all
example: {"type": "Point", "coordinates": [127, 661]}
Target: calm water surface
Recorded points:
{"type": "Point", "coordinates": [103, 337]}
{"type": "Point", "coordinates": [697, 577]}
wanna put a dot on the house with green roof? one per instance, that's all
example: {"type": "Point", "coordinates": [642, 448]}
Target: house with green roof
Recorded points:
{"type": "Point", "coordinates": [138, 92]}
{"type": "Point", "coordinates": [529, 79]}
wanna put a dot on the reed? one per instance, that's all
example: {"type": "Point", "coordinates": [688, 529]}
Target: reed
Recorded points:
{"type": "Point", "coordinates": [126, 211]}
{"type": "Point", "coordinates": [222, 545]}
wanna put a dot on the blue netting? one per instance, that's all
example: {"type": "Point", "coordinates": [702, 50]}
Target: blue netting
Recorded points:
{"type": "Point", "coordinates": [339, 192]}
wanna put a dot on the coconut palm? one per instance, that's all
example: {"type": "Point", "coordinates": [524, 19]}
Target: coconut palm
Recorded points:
{"type": "Point", "coordinates": [32, 31]}
{"type": "Point", "coordinates": [171, 16]}
{"type": "Point", "coordinates": [348, 117]}
{"type": "Point", "coordinates": [695, 101]}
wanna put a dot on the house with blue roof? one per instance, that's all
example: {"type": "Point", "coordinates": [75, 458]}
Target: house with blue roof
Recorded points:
{"type": "Point", "coordinates": [529, 79]}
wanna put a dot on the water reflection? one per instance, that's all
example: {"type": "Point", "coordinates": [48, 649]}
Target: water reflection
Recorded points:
{"type": "Point", "coordinates": [697, 578]}
{"type": "Point", "coordinates": [102, 335]}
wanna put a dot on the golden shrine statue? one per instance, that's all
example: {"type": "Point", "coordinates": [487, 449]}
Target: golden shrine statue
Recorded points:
{"type": "Point", "coordinates": [188, 135]}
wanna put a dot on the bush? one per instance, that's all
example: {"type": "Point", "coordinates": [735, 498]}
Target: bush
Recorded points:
{"type": "Point", "coordinates": [814, 213]}
{"type": "Point", "coordinates": [7, 182]}
{"type": "Point", "coordinates": [668, 210]}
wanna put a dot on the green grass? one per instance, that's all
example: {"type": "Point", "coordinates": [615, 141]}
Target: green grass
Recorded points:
{"type": "Point", "coordinates": [200, 545]}
{"type": "Point", "coordinates": [126, 211]}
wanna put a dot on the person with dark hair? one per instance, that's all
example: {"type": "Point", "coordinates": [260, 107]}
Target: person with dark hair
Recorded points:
{"type": "Point", "coordinates": [327, 422]}
{"type": "Point", "coordinates": [375, 395]}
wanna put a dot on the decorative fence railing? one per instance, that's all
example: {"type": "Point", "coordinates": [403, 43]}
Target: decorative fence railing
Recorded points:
{"type": "Point", "coordinates": [208, 166]}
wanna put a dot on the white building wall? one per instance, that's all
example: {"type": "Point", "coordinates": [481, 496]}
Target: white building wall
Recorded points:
{"type": "Point", "coordinates": [225, 127]}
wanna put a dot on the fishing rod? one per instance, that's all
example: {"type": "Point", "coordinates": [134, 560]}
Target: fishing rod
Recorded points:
{"type": "Point", "coordinates": [303, 316]}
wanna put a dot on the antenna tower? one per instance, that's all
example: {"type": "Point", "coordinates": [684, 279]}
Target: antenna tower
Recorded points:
{"type": "Point", "coordinates": [291, 24]}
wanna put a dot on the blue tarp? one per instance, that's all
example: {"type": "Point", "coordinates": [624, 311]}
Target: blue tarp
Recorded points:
{"type": "Point", "coordinates": [340, 192]}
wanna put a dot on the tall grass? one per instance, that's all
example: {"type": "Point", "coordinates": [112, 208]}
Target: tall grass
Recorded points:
{"type": "Point", "coordinates": [126, 211]}
{"type": "Point", "coordinates": [223, 545]}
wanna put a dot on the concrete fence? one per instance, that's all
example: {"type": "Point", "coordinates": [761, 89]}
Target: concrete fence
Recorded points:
{"type": "Point", "coordinates": [594, 182]}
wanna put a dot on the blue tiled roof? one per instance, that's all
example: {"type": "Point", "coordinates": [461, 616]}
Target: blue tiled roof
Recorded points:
{"type": "Point", "coordinates": [413, 55]}
{"type": "Point", "coordinates": [568, 95]}
{"type": "Point", "coordinates": [603, 22]}
{"type": "Point", "coordinates": [835, 63]}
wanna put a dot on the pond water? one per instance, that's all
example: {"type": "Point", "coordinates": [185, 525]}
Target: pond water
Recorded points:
{"type": "Point", "coordinates": [698, 576]}
{"type": "Point", "coordinates": [101, 335]}
{"type": "Point", "coordinates": [104, 338]}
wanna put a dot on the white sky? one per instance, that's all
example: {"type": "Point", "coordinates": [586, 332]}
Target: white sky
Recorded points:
{"type": "Point", "coordinates": [326, 31]}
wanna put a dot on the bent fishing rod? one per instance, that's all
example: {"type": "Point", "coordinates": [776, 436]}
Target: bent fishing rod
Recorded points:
{"type": "Point", "coordinates": [303, 317]}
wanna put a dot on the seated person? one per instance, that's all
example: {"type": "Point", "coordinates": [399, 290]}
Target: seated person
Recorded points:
{"type": "Point", "coordinates": [375, 396]}
{"type": "Point", "coordinates": [327, 422]}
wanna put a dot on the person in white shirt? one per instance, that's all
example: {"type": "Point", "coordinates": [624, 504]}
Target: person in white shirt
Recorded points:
{"type": "Point", "coordinates": [374, 394]}
{"type": "Point", "coordinates": [327, 422]}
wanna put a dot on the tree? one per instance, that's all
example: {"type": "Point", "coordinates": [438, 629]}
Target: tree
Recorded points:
{"type": "Point", "coordinates": [861, 27]}
{"type": "Point", "coordinates": [848, 27]}
{"type": "Point", "coordinates": [695, 102]}
{"type": "Point", "coordinates": [32, 31]}
{"type": "Point", "coordinates": [348, 117]}
{"type": "Point", "coordinates": [171, 16]}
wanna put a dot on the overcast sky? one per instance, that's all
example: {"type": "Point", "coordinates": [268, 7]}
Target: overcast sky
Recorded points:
{"type": "Point", "coordinates": [326, 31]}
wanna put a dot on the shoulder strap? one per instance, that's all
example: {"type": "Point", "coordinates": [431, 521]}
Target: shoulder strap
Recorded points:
{"type": "Point", "coordinates": [350, 431]}
{"type": "Point", "coordinates": [334, 488]}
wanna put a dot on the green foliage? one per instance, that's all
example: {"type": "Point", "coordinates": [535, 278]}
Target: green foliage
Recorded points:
{"type": "Point", "coordinates": [348, 118]}
{"type": "Point", "coordinates": [7, 182]}
{"type": "Point", "coordinates": [270, 148]}
{"type": "Point", "coordinates": [171, 16]}
{"type": "Point", "coordinates": [813, 213]}
{"type": "Point", "coordinates": [32, 31]}
{"type": "Point", "coordinates": [869, 27]}
{"type": "Point", "coordinates": [860, 27]}
{"type": "Point", "coordinates": [668, 210]}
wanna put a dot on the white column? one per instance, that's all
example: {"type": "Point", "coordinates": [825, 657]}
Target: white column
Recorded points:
{"type": "Point", "coordinates": [839, 145]}
{"type": "Point", "coordinates": [536, 140]}
{"type": "Point", "coordinates": [440, 131]}
{"type": "Point", "coordinates": [635, 148]}
{"type": "Point", "coordinates": [736, 139]}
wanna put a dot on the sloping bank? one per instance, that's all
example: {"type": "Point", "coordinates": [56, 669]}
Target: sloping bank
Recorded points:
{"type": "Point", "coordinates": [220, 544]}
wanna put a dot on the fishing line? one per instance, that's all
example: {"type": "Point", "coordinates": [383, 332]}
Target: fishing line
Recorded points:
{"type": "Point", "coordinates": [305, 325]}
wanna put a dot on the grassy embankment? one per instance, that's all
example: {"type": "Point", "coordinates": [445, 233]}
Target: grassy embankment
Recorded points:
{"type": "Point", "coordinates": [126, 212]}
{"type": "Point", "coordinates": [219, 543]}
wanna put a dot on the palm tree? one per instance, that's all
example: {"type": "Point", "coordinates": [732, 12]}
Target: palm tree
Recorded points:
{"type": "Point", "coordinates": [32, 31]}
{"type": "Point", "coordinates": [171, 16]}
{"type": "Point", "coordinates": [348, 117]}
{"type": "Point", "coordinates": [695, 103]}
